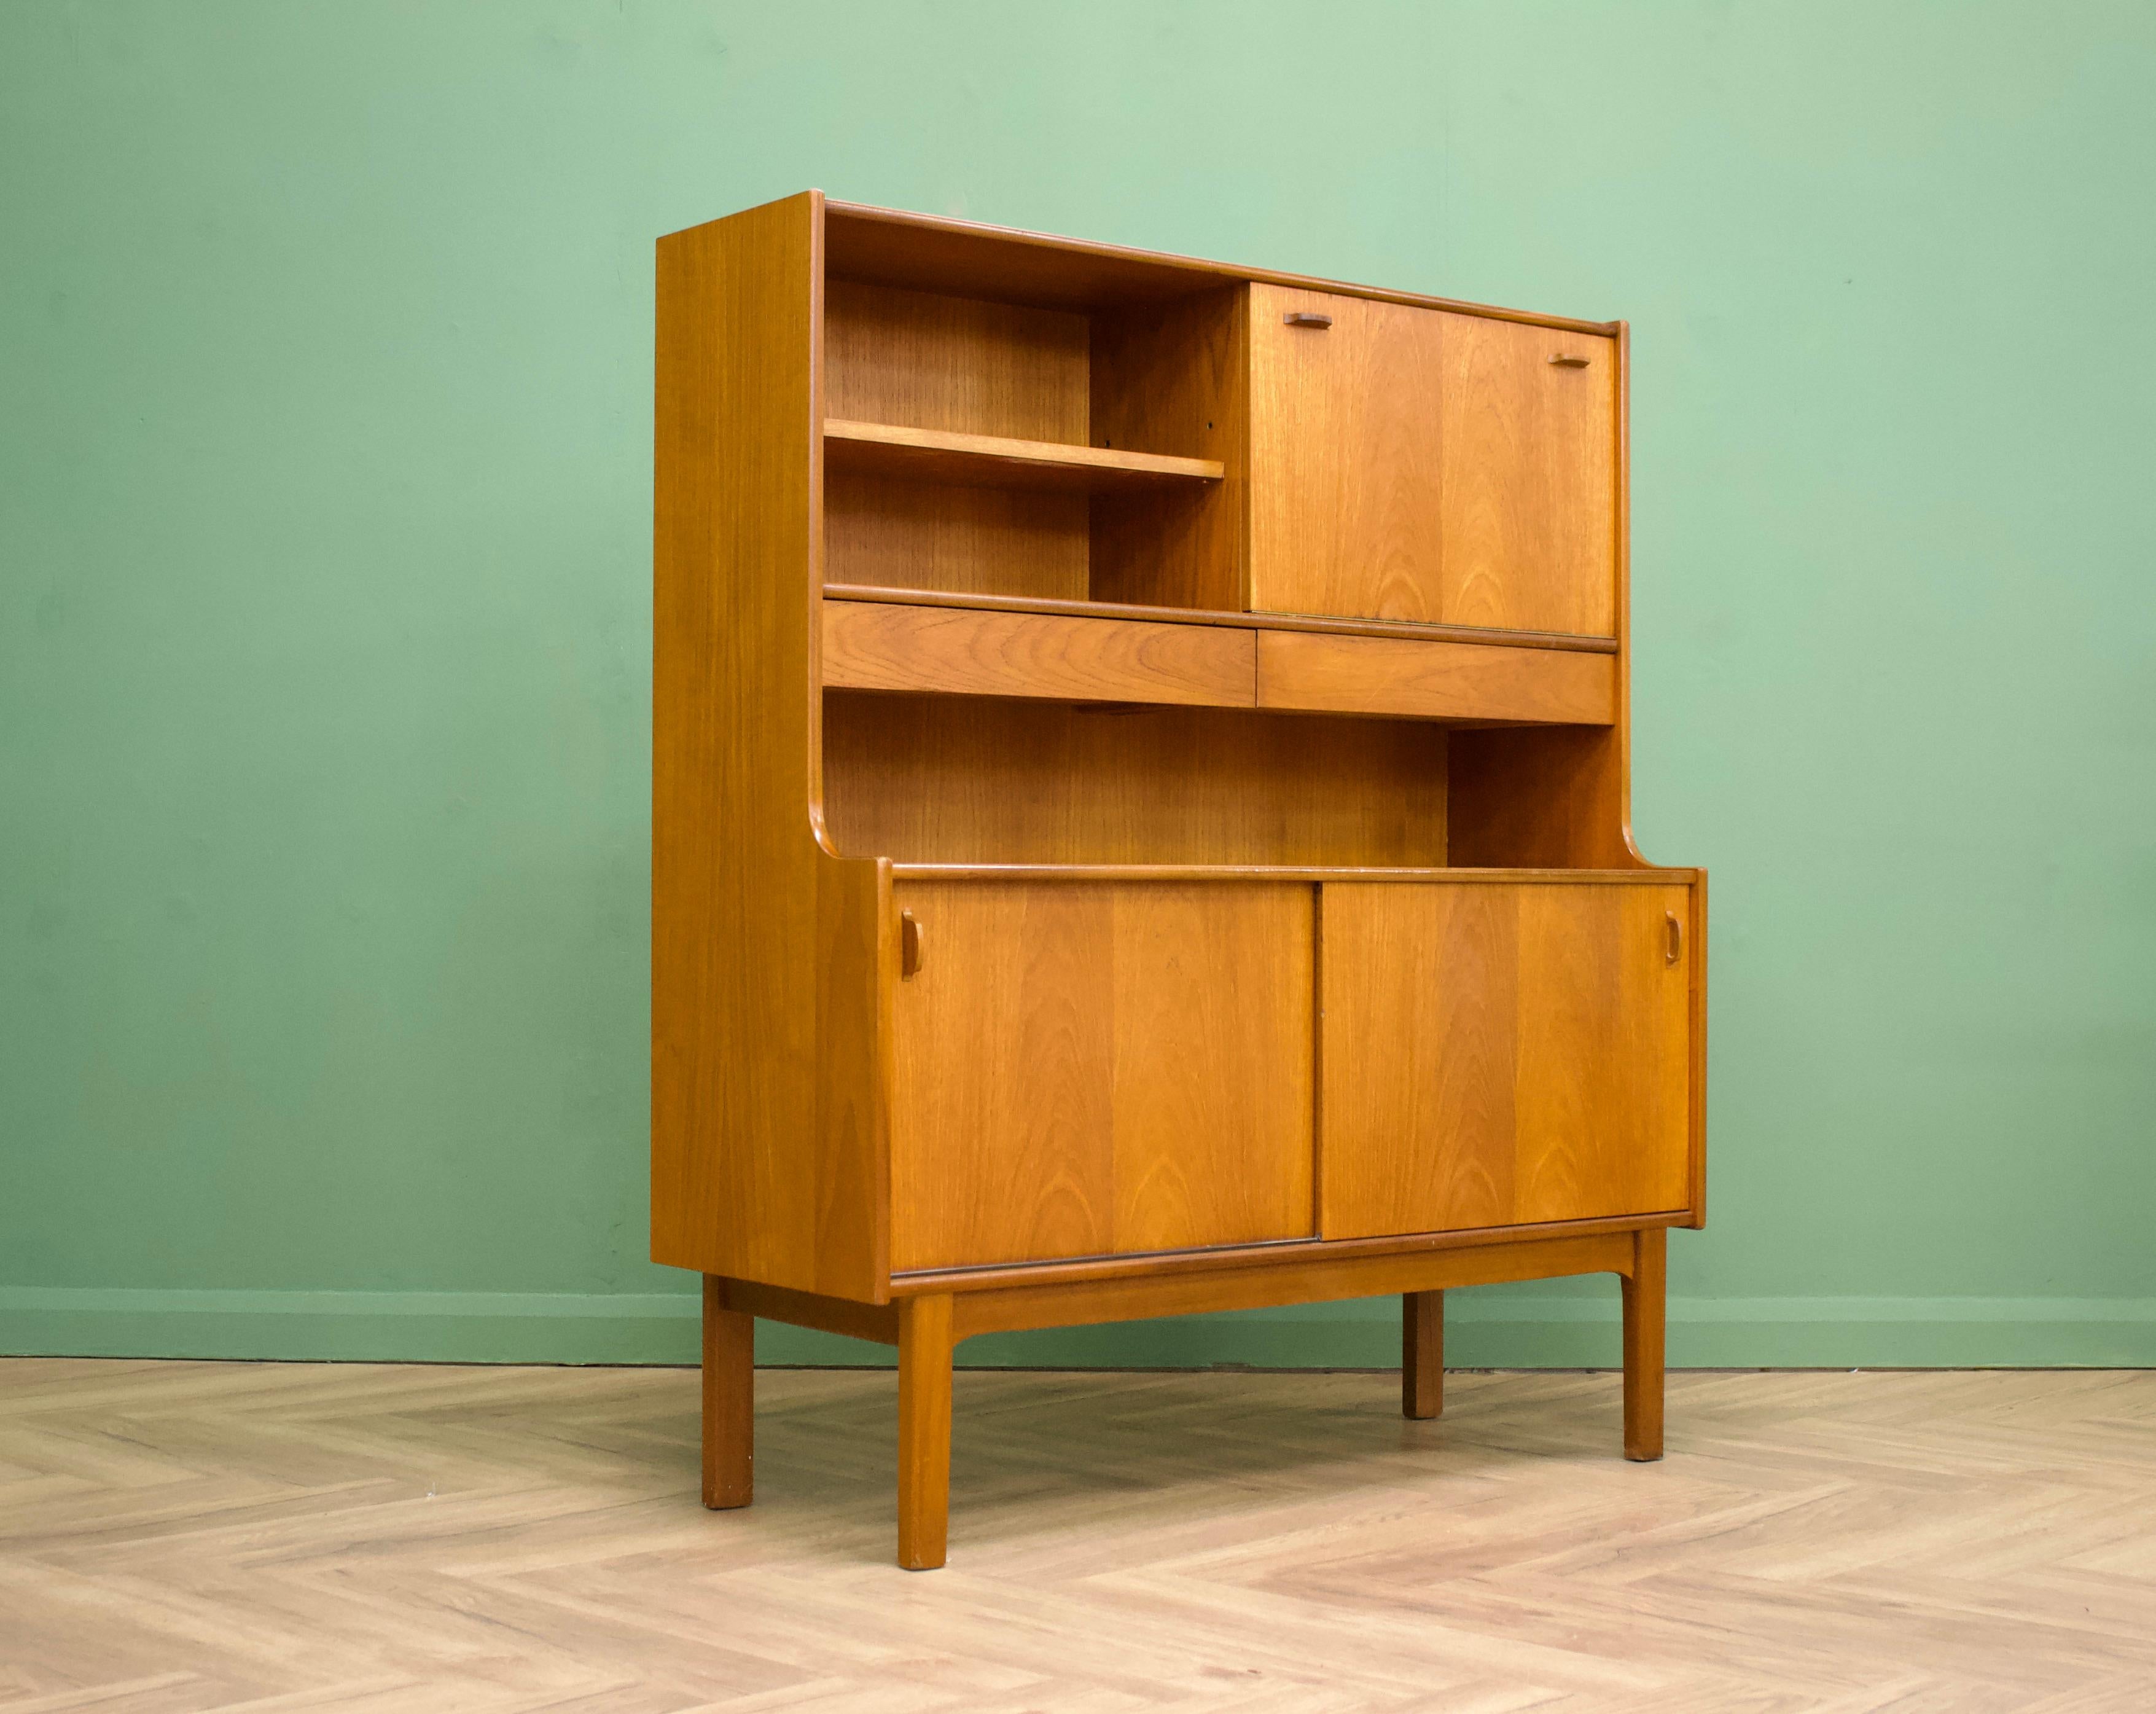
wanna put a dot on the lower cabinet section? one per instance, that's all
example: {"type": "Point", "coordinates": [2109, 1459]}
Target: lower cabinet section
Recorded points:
{"type": "Point", "coordinates": [1089, 1069]}
{"type": "Point", "coordinates": [1497, 1054]}
{"type": "Point", "coordinates": [1084, 1068]}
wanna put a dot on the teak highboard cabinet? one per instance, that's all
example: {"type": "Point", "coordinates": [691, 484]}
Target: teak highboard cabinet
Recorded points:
{"type": "Point", "coordinates": [1140, 808]}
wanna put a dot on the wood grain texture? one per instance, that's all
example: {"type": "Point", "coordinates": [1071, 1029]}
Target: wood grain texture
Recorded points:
{"type": "Point", "coordinates": [927, 361]}
{"type": "Point", "coordinates": [1013, 542]}
{"type": "Point", "coordinates": [1092, 1070]}
{"type": "Point", "coordinates": [1558, 797]}
{"type": "Point", "coordinates": [869, 646]}
{"type": "Point", "coordinates": [1175, 378]}
{"type": "Point", "coordinates": [1344, 472]}
{"type": "Point", "coordinates": [1315, 624]}
{"type": "Point", "coordinates": [1410, 464]}
{"type": "Point", "coordinates": [1542, 798]}
{"type": "Point", "coordinates": [996, 461]}
{"type": "Point", "coordinates": [877, 1322]}
{"type": "Point", "coordinates": [1434, 680]}
{"type": "Point", "coordinates": [924, 1431]}
{"type": "Point", "coordinates": [1236, 874]}
{"type": "Point", "coordinates": [1696, 1164]}
{"type": "Point", "coordinates": [935, 253]}
{"type": "Point", "coordinates": [1422, 1355]}
{"type": "Point", "coordinates": [1604, 1055]}
{"type": "Point", "coordinates": [1128, 1072]}
{"type": "Point", "coordinates": [182, 1538]}
{"type": "Point", "coordinates": [1272, 1254]}
{"type": "Point", "coordinates": [1525, 472]}
{"type": "Point", "coordinates": [1501, 1054]}
{"type": "Point", "coordinates": [1646, 1292]}
{"type": "Point", "coordinates": [729, 1412]}
{"type": "Point", "coordinates": [768, 957]}
{"type": "Point", "coordinates": [923, 360]}
{"type": "Point", "coordinates": [1271, 1282]}
{"type": "Point", "coordinates": [971, 780]}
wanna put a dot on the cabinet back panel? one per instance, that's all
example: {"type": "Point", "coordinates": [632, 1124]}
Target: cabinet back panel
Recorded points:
{"type": "Point", "coordinates": [922, 360]}
{"type": "Point", "coordinates": [1174, 378]}
{"type": "Point", "coordinates": [908, 535]}
{"type": "Point", "coordinates": [974, 779]}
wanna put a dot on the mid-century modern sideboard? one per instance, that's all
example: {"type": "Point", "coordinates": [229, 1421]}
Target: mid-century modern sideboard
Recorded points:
{"type": "Point", "coordinates": [1140, 801]}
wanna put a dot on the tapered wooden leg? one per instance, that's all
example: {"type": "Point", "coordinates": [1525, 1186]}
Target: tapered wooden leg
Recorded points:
{"type": "Point", "coordinates": [1646, 1295]}
{"type": "Point", "coordinates": [729, 1399]}
{"type": "Point", "coordinates": [924, 1430]}
{"type": "Point", "coordinates": [1422, 1354]}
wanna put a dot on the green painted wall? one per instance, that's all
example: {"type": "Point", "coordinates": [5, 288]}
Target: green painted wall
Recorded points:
{"type": "Point", "coordinates": [325, 402]}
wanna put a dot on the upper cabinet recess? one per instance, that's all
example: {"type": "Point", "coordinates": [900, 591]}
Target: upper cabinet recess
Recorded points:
{"type": "Point", "coordinates": [1016, 417]}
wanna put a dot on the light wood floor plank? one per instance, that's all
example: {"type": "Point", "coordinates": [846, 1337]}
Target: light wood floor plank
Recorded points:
{"type": "Point", "coordinates": [284, 1538]}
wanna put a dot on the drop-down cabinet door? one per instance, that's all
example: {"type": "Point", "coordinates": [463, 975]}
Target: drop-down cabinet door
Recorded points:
{"type": "Point", "coordinates": [1497, 1054]}
{"type": "Point", "coordinates": [1420, 464]}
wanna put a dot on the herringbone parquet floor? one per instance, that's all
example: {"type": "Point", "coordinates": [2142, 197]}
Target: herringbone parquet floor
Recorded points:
{"type": "Point", "coordinates": [177, 1536]}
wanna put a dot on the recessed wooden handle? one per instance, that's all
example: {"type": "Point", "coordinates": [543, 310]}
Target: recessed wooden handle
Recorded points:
{"type": "Point", "coordinates": [1676, 936]}
{"type": "Point", "coordinates": [909, 945]}
{"type": "Point", "coordinates": [1565, 360]}
{"type": "Point", "coordinates": [1306, 318]}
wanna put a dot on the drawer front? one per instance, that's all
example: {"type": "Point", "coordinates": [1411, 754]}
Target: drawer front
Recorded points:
{"type": "Point", "coordinates": [1434, 680]}
{"type": "Point", "coordinates": [884, 646]}
{"type": "Point", "coordinates": [1499, 1054]}
{"type": "Point", "coordinates": [1088, 1068]}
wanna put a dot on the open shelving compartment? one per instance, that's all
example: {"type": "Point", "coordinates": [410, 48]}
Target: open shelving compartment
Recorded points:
{"type": "Point", "coordinates": [1010, 447]}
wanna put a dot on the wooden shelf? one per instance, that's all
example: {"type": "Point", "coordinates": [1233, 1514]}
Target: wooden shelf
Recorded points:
{"type": "Point", "coordinates": [994, 461]}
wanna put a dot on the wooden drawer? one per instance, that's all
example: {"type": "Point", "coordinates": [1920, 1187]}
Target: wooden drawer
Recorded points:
{"type": "Point", "coordinates": [1083, 1069]}
{"type": "Point", "coordinates": [1497, 1054]}
{"type": "Point", "coordinates": [883, 646]}
{"type": "Point", "coordinates": [1434, 680]}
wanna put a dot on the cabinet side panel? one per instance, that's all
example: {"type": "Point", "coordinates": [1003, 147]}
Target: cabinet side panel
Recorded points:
{"type": "Point", "coordinates": [735, 919]}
